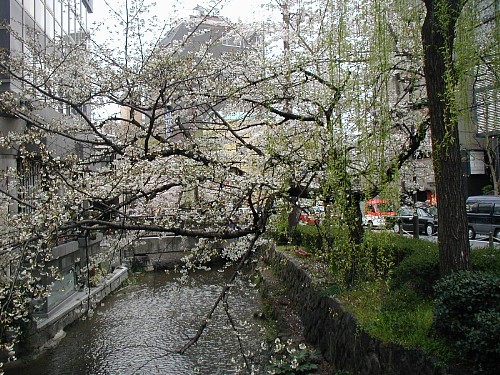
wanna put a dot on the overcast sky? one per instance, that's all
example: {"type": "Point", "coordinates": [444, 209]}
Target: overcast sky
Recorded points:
{"type": "Point", "coordinates": [168, 11]}
{"type": "Point", "coordinates": [246, 10]}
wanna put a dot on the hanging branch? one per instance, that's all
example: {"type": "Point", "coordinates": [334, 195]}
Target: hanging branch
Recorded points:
{"type": "Point", "coordinates": [222, 295]}
{"type": "Point", "coordinates": [233, 325]}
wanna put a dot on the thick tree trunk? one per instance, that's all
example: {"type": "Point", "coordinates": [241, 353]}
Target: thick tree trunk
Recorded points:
{"type": "Point", "coordinates": [437, 40]}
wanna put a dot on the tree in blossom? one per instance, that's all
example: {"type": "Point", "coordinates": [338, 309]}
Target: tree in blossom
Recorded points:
{"type": "Point", "coordinates": [165, 135]}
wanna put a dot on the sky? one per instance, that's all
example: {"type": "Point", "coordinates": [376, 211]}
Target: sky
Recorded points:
{"type": "Point", "coordinates": [167, 11]}
{"type": "Point", "coordinates": [245, 10]}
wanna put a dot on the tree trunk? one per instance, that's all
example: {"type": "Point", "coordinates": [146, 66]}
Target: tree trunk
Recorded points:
{"type": "Point", "coordinates": [438, 33]}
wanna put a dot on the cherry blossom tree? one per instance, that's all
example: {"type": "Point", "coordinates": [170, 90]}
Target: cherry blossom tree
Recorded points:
{"type": "Point", "coordinates": [151, 134]}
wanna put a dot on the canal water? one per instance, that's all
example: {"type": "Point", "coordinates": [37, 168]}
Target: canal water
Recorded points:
{"type": "Point", "coordinates": [139, 329]}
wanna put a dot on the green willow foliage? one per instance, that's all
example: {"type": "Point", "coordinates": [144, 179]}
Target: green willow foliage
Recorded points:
{"type": "Point", "coordinates": [373, 46]}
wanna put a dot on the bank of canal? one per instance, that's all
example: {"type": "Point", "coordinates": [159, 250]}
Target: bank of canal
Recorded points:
{"type": "Point", "coordinates": [139, 329]}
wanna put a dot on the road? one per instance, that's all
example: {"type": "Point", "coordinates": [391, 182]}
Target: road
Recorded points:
{"type": "Point", "coordinates": [474, 244]}
{"type": "Point", "coordinates": [478, 243]}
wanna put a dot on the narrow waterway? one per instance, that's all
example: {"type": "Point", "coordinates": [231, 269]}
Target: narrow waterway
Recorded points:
{"type": "Point", "coordinates": [140, 328]}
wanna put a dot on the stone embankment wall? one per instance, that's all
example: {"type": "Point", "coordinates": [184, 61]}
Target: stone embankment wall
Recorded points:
{"type": "Point", "coordinates": [160, 253]}
{"type": "Point", "coordinates": [334, 331]}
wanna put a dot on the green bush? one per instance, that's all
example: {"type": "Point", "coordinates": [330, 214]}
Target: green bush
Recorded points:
{"type": "Point", "coordinates": [310, 237]}
{"type": "Point", "coordinates": [387, 250]}
{"type": "Point", "coordinates": [467, 314]}
{"type": "Point", "coordinates": [486, 260]}
{"type": "Point", "coordinates": [419, 271]}
{"type": "Point", "coordinates": [400, 246]}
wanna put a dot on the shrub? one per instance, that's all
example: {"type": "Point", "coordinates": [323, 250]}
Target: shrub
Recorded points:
{"type": "Point", "coordinates": [400, 246]}
{"type": "Point", "coordinates": [289, 359]}
{"type": "Point", "coordinates": [486, 260]}
{"type": "Point", "coordinates": [419, 271]}
{"type": "Point", "coordinates": [386, 250]}
{"type": "Point", "coordinates": [467, 314]}
{"type": "Point", "coordinates": [308, 236]}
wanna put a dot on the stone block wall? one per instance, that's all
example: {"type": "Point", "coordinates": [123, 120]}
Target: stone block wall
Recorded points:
{"type": "Point", "coordinates": [335, 332]}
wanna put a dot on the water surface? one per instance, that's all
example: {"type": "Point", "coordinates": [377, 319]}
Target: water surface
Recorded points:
{"type": "Point", "coordinates": [139, 329]}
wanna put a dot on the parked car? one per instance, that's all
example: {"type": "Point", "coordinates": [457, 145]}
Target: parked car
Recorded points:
{"type": "Point", "coordinates": [403, 220]}
{"type": "Point", "coordinates": [309, 216]}
{"type": "Point", "coordinates": [375, 212]}
{"type": "Point", "coordinates": [483, 216]}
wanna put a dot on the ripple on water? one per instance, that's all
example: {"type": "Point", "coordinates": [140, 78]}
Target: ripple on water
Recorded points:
{"type": "Point", "coordinates": [138, 330]}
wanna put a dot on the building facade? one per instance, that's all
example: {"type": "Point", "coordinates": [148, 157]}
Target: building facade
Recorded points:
{"type": "Point", "coordinates": [480, 127]}
{"type": "Point", "coordinates": [44, 22]}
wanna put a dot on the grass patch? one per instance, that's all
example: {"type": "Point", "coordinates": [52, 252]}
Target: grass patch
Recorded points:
{"type": "Point", "coordinates": [401, 317]}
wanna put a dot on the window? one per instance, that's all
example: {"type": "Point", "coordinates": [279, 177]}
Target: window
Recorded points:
{"type": "Point", "coordinates": [57, 11]}
{"type": "Point", "coordinates": [40, 14]}
{"type": "Point", "coordinates": [29, 182]}
{"type": "Point", "coordinates": [29, 6]}
{"type": "Point", "coordinates": [49, 26]}
{"type": "Point", "coordinates": [57, 30]}
{"type": "Point", "coordinates": [484, 208]}
{"type": "Point", "coordinates": [406, 212]}
{"type": "Point", "coordinates": [72, 17]}
{"type": "Point", "coordinates": [61, 289]}
{"type": "Point", "coordinates": [65, 18]}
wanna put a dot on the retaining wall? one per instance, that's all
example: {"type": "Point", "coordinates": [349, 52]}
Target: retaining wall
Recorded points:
{"type": "Point", "coordinates": [335, 332]}
{"type": "Point", "coordinates": [154, 252]}
{"type": "Point", "coordinates": [70, 310]}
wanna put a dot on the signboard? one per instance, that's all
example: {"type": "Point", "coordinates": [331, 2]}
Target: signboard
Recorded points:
{"type": "Point", "coordinates": [476, 160]}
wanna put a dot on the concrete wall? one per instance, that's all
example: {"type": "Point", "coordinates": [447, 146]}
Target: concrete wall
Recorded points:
{"type": "Point", "coordinates": [71, 310]}
{"type": "Point", "coordinates": [160, 252]}
{"type": "Point", "coordinates": [335, 332]}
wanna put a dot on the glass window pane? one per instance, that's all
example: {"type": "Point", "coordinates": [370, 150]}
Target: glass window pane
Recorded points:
{"type": "Point", "coordinates": [29, 6]}
{"type": "Point", "coordinates": [71, 20]}
{"type": "Point", "coordinates": [57, 30]}
{"type": "Point", "coordinates": [65, 19]}
{"type": "Point", "coordinates": [49, 25]}
{"type": "Point", "coordinates": [484, 207]}
{"type": "Point", "coordinates": [40, 14]}
{"type": "Point", "coordinates": [57, 11]}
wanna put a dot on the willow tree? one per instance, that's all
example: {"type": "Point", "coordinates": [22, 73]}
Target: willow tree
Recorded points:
{"type": "Point", "coordinates": [342, 64]}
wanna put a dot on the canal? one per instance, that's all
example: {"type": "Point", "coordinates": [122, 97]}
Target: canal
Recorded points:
{"type": "Point", "coordinates": [140, 328]}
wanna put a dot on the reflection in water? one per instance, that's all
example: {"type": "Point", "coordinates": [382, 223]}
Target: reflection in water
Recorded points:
{"type": "Point", "coordinates": [139, 329]}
